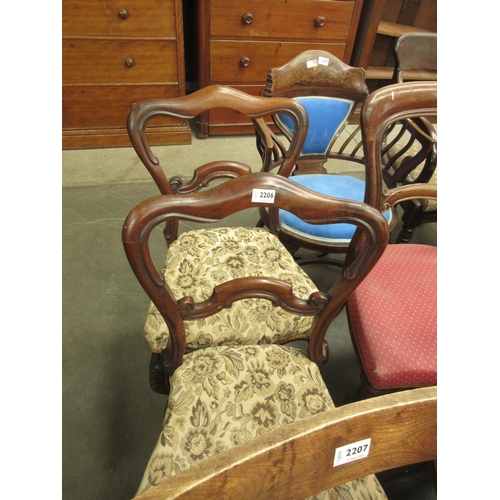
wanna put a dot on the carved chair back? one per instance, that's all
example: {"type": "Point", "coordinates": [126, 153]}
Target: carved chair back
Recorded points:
{"type": "Point", "coordinates": [228, 198]}
{"type": "Point", "coordinates": [396, 306]}
{"type": "Point", "coordinates": [410, 156]}
{"type": "Point", "coordinates": [330, 90]}
{"type": "Point", "coordinates": [188, 107]}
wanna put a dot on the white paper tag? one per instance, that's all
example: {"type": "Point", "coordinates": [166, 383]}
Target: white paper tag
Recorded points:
{"type": "Point", "coordinates": [312, 63]}
{"type": "Point", "coordinates": [351, 452]}
{"type": "Point", "coordinates": [323, 61]}
{"type": "Point", "coordinates": [263, 195]}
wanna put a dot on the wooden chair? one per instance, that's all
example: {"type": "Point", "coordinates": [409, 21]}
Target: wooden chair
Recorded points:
{"type": "Point", "coordinates": [330, 91]}
{"type": "Point", "coordinates": [156, 329]}
{"type": "Point", "coordinates": [201, 261]}
{"type": "Point", "coordinates": [222, 395]}
{"type": "Point", "coordinates": [411, 156]}
{"type": "Point", "coordinates": [392, 314]}
{"type": "Point", "coordinates": [187, 108]}
{"type": "Point", "coordinates": [402, 429]}
{"type": "Point", "coordinates": [416, 57]}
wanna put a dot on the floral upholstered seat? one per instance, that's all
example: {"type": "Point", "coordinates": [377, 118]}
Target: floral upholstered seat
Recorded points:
{"type": "Point", "coordinates": [223, 396]}
{"type": "Point", "coordinates": [200, 259]}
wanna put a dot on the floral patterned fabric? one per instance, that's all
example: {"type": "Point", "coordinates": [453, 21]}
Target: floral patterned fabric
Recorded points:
{"type": "Point", "coordinates": [201, 259]}
{"type": "Point", "coordinates": [223, 396]}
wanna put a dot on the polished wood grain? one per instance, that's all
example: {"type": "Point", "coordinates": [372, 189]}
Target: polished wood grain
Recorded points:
{"type": "Point", "coordinates": [294, 19]}
{"type": "Point", "coordinates": [239, 42]}
{"type": "Point", "coordinates": [115, 61]}
{"type": "Point", "coordinates": [296, 461]}
{"type": "Point", "coordinates": [114, 54]}
{"type": "Point", "coordinates": [119, 18]}
{"type": "Point", "coordinates": [226, 58]}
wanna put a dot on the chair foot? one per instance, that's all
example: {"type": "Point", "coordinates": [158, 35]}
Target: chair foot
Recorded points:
{"type": "Point", "coordinates": [405, 235]}
{"type": "Point", "coordinates": [157, 379]}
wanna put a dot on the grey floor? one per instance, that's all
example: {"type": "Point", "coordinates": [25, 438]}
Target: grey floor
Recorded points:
{"type": "Point", "coordinates": [111, 418]}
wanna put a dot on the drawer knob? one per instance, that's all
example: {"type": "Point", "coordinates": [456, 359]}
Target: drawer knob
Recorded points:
{"type": "Point", "coordinates": [129, 62]}
{"type": "Point", "coordinates": [245, 62]}
{"type": "Point", "coordinates": [320, 21]}
{"type": "Point", "coordinates": [123, 14]}
{"type": "Point", "coordinates": [247, 18]}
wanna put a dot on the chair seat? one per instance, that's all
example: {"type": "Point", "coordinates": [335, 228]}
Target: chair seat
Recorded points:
{"type": "Point", "coordinates": [200, 259]}
{"type": "Point", "coordinates": [337, 186]}
{"type": "Point", "coordinates": [223, 396]}
{"type": "Point", "coordinates": [398, 345]}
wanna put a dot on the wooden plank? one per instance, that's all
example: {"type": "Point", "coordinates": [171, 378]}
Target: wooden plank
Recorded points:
{"type": "Point", "coordinates": [394, 29]}
{"type": "Point", "coordinates": [386, 73]}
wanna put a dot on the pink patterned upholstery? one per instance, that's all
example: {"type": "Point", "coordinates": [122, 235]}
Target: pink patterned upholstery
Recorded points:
{"type": "Point", "coordinates": [396, 335]}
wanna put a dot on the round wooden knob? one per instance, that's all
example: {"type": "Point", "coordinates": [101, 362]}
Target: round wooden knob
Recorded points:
{"type": "Point", "coordinates": [245, 62]}
{"type": "Point", "coordinates": [129, 62]}
{"type": "Point", "coordinates": [123, 14]}
{"type": "Point", "coordinates": [247, 18]}
{"type": "Point", "coordinates": [320, 21]}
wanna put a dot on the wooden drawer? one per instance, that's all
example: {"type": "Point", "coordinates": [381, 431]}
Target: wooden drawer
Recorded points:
{"type": "Point", "coordinates": [108, 106]}
{"type": "Point", "coordinates": [99, 18]}
{"type": "Point", "coordinates": [226, 58]}
{"type": "Point", "coordinates": [291, 19]}
{"type": "Point", "coordinates": [104, 61]}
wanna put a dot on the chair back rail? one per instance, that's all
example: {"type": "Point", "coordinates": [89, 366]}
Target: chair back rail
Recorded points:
{"type": "Point", "coordinates": [296, 460]}
{"type": "Point", "coordinates": [211, 97]}
{"type": "Point", "coordinates": [381, 109]}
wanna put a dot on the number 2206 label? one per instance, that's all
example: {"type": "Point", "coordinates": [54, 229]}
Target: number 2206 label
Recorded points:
{"type": "Point", "coordinates": [263, 195]}
{"type": "Point", "coordinates": [351, 452]}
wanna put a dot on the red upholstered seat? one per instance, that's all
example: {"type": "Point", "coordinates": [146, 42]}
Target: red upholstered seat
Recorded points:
{"type": "Point", "coordinates": [393, 318]}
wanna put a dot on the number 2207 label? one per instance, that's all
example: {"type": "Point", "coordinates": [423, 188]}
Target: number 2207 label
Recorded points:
{"type": "Point", "coordinates": [263, 195]}
{"type": "Point", "coordinates": [351, 452]}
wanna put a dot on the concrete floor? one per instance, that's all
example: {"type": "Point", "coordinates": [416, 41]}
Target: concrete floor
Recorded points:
{"type": "Point", "coordinates": [111, 418]}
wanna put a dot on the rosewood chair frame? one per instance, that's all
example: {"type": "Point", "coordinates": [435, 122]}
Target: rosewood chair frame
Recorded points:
{"type": "Point", "coordinates": [383, 108]}
{"type": "Point", "coordinates": [187, 108]}
{"type": "Point", "coordinates": [334, 80]}
{"type": "Point", "coordinates": [221, 201]}
{"type": "Point", "coordinates": [415, 59]}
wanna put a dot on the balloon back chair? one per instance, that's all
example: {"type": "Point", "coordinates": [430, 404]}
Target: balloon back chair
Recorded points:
{"type": "Point", "coordinates": [223, 395]}
{"type": "Point", "coordinates": [305, 456]}
{"type": "Point", "coordinates": [200, 259]}
{"type": "Point", "coordinates": [330, 91]}
{"type": "Point", "coordinates": [187, 108]}
{"type": "Point", "coordinates": [411, 156]}
{"type": "Point", "coordinates": [393, 313]}
{"type": "Point", "coordinates": [197, 248]}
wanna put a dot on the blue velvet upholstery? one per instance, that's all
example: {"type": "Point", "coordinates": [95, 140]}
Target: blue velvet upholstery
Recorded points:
{"type": "Point", "coordinates": [338, 186]}
{"type": "Point", "coordinates": [326, 116]}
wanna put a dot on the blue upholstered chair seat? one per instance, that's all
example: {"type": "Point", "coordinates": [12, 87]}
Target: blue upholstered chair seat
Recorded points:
{"type": "Point", "coordinates": [338, 186]}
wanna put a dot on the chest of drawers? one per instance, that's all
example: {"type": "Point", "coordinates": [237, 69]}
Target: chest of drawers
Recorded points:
{"type": "Point", "coordinates": [239, 42]}
{"type": "Point", "coordinates": [116, 53]}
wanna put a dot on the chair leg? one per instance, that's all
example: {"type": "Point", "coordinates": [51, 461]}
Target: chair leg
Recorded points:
{"type": "Point", "coordinates": [158, 380]}
{"type": "Point", "coordinates": [405, 235]}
